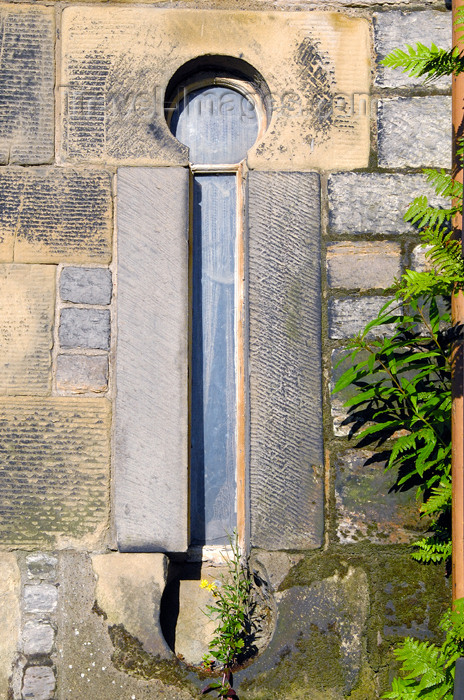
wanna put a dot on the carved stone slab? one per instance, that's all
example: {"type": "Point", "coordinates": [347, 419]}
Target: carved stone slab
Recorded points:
{"type": "Point", "coordinates": [151, 449]}
{"type": "Point", "coordinates": [117, 62]}
{"type": "Point", "coordinates": [286, 479]}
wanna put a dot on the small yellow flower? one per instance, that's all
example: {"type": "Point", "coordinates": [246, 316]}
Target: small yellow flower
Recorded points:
{"type": "Point", "coordinates": [204, 583]}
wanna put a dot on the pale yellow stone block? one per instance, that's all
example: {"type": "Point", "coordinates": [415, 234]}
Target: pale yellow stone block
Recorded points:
{"type": "Point", "coordinates": [27, 298]}
{"type": "Point", "coordinates": [129, 589]}
{"type": "Point", "coordinates": [10, 587]}
{"type": "Point", "coordinates": [119, 61]}
{"type": "Point", "coordinates": [54, 472]}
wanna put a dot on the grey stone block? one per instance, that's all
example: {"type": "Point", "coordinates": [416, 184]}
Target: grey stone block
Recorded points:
{"type": "Point", "coordinates": [27, 84]}
{"type": "Point", "coordinates": [320, 627]}
{"type": "Point", "coordinates": [40, 598]}
{"type": "Point", "coordinates": [286, 480]}
{"type": "Point", "coordinates": [151, 438]}
{"type": "Point", "coordinates": [37, 637]}
{"type": "Point", "coordinates": [414, 132]}
{"type": "Point", "coordinates": [85, 328]}
{"type": "Point", "coordinates": [86, 285]}
{"type": "Point", "coordinates": [363, 265]}
{"type": "Point", "coordinates": [39, 683]}
{"type": "Point", "coordinates": [347, 317]}
{"type": "Point", "coordinates": [395, 29]}
{"type": "Point", "coordinates": [41, 565]}
{"type": "Point", "coordinates": [419, 261]}
{"type": "Point", "coordinates": [79, 374]}
{"type": "Point", "coordinates": [374, 202]}
{"type": "Point", "coordinates": [368, 507]}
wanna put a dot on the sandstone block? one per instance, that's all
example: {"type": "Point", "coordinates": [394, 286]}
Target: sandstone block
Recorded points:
{"type": "Point", "coordinates": [54, 470]}
{"type": "Point", "coordinates": [414, 132]}
{"type": "Point", "coordinates": [37, 638]}
{"type": "Point", "coordinates": [85, 328]}
{"type": "Point", "coordinates": [96, 655]}
{"type": "Point", "coordinates": [285, 391]}
{"type": "Point", "coordinates": [52, 215]}
{"type": "Point", "coordinates": [347, 317]}
{"type": "Point", "coordinates": [42, 598]}
{"type": "Point", "coordinates": [79, 374]}
{"type": "Point", "coordinates": [26, 326]}
{"type": "Point", "coordinates": [396, 29]}
{"type": "Point", "coordinates": [10, 615]}
{"type": "Point", "coordinates": [151, 438]}
{"type": "Point", "coordinates": [39, 683]}
{"type": "Point", "coordinates": [362, 265]}
{"type": "Point", "coordinates": [367, 506]}
{"type": "Point", "coordinates": [111, 96]}
{"type": "Point", "coordinates": [129, 589]}
{"type": "Point", "coordinates": [374, 202]}
{"type": "Point", "coordinates": [27, 78]}
{"type": "Point", "coordinates": [86, 285]}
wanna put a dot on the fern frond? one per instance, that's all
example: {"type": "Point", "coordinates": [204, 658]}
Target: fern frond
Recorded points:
{"type": "Point", "coordinates": [440, 499]}
{"type": "Point", "coordinates": [432, 549]}
{"type": "Point", "coordinates": [430, 62]}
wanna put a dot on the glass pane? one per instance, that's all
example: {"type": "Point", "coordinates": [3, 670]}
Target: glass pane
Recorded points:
{"type": "Point", "coordinates": [213, 402]}
{"type": "Point", "coordinates": [219, 125]}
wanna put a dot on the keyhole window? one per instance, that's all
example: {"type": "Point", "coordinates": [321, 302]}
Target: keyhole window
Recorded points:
{"type": "Point", "coordinates": [219, 121]}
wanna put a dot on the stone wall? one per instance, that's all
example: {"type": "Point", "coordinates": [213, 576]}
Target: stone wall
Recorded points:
{"type": "Point", "coordinates": [327, 535]}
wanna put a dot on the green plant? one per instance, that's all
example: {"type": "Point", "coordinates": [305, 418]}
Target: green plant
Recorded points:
{"type": "Point", "coordinates": [404, 378]}
{"type": "Point", "coordinates": [404, 388]}
{"type": "Point", "coordinates": [427, 669]}
{"type": "Point", "coordinates": [232, 611]}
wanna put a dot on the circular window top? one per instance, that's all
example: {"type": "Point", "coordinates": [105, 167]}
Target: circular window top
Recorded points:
{"type": "Point", "coordinates": [219, 121]}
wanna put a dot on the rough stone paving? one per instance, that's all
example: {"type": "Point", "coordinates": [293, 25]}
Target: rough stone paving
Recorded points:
{"type": "Point", "coordinates": [94, 344]}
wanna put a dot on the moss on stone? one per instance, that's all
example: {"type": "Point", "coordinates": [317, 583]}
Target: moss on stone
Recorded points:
{"type": "Point", "coordinates": [130, 657]}
{"type": "Point", "coordinates": [315, 665]}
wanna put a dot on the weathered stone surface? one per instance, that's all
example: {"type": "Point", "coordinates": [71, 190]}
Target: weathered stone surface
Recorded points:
{"type": "Point", "coordinates": [113, 82]}
{"type": "Point", "coordinates": [342, 423]}
{"type": "Point", "coordinates": [91, 666]}
{"type": "Point", "coordinates": [39, 683]}
{"type": "Point", "coordinates": [27, 79]}
{"type": "Point", "coordinates": [394, 30]}
{"type": "Point", "coordinates": [374, 202]}
{"type": "Point", "coordinates": [129, 589]}
{"type": "Point", "coordinates": [414, 132]}
{"type": "Point", "coordinates": [41, 566]}
{"type": "Point", "coordinates": [368, 506]}
{"type": "Point", "coordinates": [409, 599]}
{"type": "Point", "coordinates": [151, 443]}
{"type": "Point", "coordinates": [51, 215]}
{"type": "Point", "coordinates": [348, 316]}
{"type": "Point", "coordinates": [85, 328]}
{"type": "Point", "coordinates": [274, 566]}
{"type": "Point", "coordinates": [193, 637]}
{"type": "Point", "coordinates": [285, 391]}
{"type": "Point", "coordinates": [10, 588]}
{"type": "Point", "coordinates": [419, 261]}
{"type": "Point", "coordinates": [54, 470]}
{"type": "Point", "coordinates": [86, 285]}
{"type": "Point", "coordinates": [317, 623]}
{"type": "Point", "coordinates": [363, 265]}
{"type": "Point", "coordinates": [27, 304]}
{"type": "Point", "coordinates": [37, 637]}
{"type": "Point", "coordinates": [80, 374]}
{"type": "Point", "coordinates": [41, 598]}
